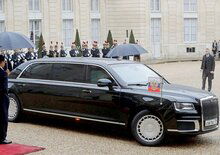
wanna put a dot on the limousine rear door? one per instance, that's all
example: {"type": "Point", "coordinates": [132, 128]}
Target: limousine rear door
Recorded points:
{"type": "Point", "coordinates": [100, 102]}
{"type": "Point", "coordinates": [66, 90]}
{"type": "Point", "coordinates": [33, 86]}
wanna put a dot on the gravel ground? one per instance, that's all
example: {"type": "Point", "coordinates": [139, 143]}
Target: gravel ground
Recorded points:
{"type": "Point", "coordinates": [67, 137]}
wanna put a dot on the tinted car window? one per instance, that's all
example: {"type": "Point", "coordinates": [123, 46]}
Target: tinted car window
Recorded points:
{"type": "Point", "coordinates": [94, 73]}
{"type": "Point", "coordinates": [17, 71]}
{"type": "Point", "coordinates": [69, 72]}
{"type": "Point", "coordinates": [38, 71]}
{"type": "Point", "coordinates": [14, 74]}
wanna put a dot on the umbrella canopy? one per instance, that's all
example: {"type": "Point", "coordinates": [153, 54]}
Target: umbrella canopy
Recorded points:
{"type": "Point", "coordinates": [13, 40]}
{"type": "Point", "coordinates": [126, 50]}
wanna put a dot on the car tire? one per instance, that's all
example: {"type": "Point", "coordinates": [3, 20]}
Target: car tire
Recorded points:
{"type": "Point", "coordinates": [14, 110]}
{"type": "Point", "coordinates": [147, 128]}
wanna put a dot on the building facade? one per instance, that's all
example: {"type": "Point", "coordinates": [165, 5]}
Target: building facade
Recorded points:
{"type": "Point", "coordinates": [168, 29]}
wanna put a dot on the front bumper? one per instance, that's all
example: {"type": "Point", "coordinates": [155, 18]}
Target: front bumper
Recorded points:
{"type": "Point", "coordinates": [193, 127]}
{"type": "Point", "coordinates": [203, 123]}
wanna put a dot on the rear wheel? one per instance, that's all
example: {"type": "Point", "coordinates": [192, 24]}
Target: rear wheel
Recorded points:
{"type": "Point", "coordinates": [147, 128]}
{"type": "Point", "coordinates": [14, 110]}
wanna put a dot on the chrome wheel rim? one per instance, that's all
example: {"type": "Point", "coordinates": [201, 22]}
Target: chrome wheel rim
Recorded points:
{"type": "Point", "coordinates": [150, 128]}
{"type": "Point", "coordinates": [13, 109]}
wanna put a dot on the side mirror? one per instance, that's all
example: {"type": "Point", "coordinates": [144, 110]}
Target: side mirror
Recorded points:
{"type": "Point", "coordinates": [104, 83]}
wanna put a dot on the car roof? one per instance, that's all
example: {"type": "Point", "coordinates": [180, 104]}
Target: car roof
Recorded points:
{"type": "Point", "coordinates": [87, 60]}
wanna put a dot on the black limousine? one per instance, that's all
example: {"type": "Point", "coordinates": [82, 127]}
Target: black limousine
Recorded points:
{"type": "Point", "coordinates": [111, 91]}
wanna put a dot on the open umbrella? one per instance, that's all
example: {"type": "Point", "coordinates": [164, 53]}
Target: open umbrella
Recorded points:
{"type": "Point", "coordinates": [13, 40]}
{"type": "Point", "coordinates": [126, 50]}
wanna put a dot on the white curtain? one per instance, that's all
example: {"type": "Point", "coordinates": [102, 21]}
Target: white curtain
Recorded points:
{"type": "Point", "coordinates": [67, 32]}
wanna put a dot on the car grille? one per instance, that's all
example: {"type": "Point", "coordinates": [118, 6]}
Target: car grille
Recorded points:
{"type": "Point", "coordinates": [209, 111]}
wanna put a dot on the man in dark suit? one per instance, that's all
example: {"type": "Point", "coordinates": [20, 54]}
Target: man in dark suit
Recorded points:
{"type": "Point", "coordinates": [4, 102]}
{"type": "Point", "coordinates": [208, 67]}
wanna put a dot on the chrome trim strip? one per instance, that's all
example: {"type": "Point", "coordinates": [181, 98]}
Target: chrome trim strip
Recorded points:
{"type": "Point", "coordinates": [72, 116]}
{"type": "Point", "coordinates": [202, 115]}
{"type": "Point", "coordinates": [60, 83]}
{"type": "Point", "coordinates": [77, 63]}
{"type": "Point", "coordinates": [197, 127]}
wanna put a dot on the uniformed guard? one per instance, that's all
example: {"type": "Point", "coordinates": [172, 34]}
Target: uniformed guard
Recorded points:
{"type": "Point", "coordinates": [4, 102]}
{"type": "Point", "coordinates": [44, 51]}
{"type": "Point", "coordinates": [115, 43]}
{"type": "Point", "coordinates": [29, 55]}
{"type": "Point", "coordinates": [105, 49]}
{"type": "Point", "coordinates": [95, 51]}
{"type": "Point", "coordinates": [73, 52]}
{"type": "Point", "coordinates": [85, 50]}
{"type": "Point", "coordinates": [62, 51]}
{"type": "Point", "coordinates": [56, 52]}
{"type": "Point", "coordinates": [22, 56]}
{"type": "Point", "coordinates": [51, 51]}
{"type": "Point", "coordinates": [16, 59]}
{"type": "Point", "coordinates": [35, 54]}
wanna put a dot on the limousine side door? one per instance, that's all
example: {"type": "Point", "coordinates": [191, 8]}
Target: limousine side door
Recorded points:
{"type": "Point", "coordinates": [66, 89]}
{"type": "Point", "coordinates": [100, 102]}
{"type": "Point", "coordinates": [33, 86]}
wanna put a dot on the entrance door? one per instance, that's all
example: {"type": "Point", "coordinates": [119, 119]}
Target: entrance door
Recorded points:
{"type": "Point", "coordinates": [155, 36]}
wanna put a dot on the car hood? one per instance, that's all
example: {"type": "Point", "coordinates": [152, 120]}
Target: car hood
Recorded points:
{"type": "Point", "coordinates": [176, 92]}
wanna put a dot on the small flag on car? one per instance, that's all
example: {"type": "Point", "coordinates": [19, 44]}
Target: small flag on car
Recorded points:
{"type": "Point", "coordinates": [155, 84]}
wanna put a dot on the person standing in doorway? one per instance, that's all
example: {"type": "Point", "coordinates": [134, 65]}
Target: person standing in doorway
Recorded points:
{"type": "Point", "coordinates": [214, 48]}
{"type": "Point", "coordinates": [208, 67]}
{"type": "Point", "coordinates": [4, 101]}
{"type": "Point", "coordinates": [218, 48]}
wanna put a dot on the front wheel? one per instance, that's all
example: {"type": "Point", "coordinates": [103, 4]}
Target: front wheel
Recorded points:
{"type": "Point", "coordinates": [14, 110]}
{"type": "Point", "coordinates": [147, 128]}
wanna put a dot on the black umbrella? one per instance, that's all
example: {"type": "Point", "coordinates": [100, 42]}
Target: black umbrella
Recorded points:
{"type": "Point", "coordinates": [126, 50]}
{"type": "Point", "coordinates": [13, 40]}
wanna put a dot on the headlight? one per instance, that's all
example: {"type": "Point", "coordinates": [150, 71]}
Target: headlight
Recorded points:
{"type": "Point", "coordinates": [184, 106]}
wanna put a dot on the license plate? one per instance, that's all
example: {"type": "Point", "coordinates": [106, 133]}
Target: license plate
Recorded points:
{"type": "Point", "coordinates": [211, 122]}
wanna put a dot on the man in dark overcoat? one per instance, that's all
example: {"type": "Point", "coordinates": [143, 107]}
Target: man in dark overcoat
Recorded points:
{"type": "Point", "coordinates": [4, 101]}
{"type": "Point", "coordinates": [208, 67]}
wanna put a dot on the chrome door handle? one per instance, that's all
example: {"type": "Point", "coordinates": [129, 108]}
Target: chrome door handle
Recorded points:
{"type": "Point", "coordinates": [22, 84]}
{"type": "Point", "coordinates": [87, 91]}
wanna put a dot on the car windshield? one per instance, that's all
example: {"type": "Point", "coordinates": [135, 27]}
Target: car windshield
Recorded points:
{"type": "Point", "coordinates": [134, 73]}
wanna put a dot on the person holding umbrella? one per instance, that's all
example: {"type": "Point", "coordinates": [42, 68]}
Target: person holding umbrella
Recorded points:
{"type": "Point", "coordinates": [115, 43]}
{"type": "Point", "coordinates": [4, 102]}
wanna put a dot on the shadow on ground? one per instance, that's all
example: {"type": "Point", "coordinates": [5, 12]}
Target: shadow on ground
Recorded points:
{"type": "Point", "coordinates": [110, 131]}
